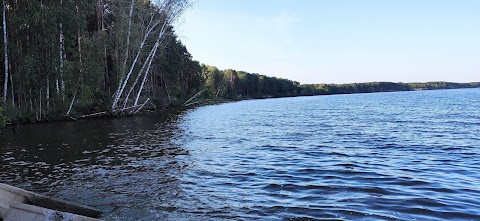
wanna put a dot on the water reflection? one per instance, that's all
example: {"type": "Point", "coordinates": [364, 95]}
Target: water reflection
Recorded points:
{"type": "Point", "coordinates": [128, 167]}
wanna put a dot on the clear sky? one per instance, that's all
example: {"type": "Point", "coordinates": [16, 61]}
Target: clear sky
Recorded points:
{"type": "Point", "coordinates": [338, 41]}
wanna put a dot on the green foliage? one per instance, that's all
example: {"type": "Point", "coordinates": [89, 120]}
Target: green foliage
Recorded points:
{"type": "Point", "coordinates": [93, 64]}
{"type": "Point", "coordinates": [442, 85]}
{"type": "Point", "coordinates": [176, 76]}
{"type": "Point", "coordinates": [93, 48]}
{"type": "Point", "coordinates": [239, 84]}
{"type": "Point", "coordinates": [26, 117]}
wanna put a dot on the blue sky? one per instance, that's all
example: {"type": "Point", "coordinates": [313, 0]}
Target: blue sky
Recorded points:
{"type": "Point", "coordinates": [338, 41]}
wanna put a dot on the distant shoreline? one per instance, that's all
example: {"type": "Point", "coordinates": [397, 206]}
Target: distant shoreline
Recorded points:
{"type": "Point", "coordinates": [215, 101]}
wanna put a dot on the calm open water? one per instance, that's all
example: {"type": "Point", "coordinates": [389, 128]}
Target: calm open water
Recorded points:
{"type": "Point", "coordinates": [383, 156]}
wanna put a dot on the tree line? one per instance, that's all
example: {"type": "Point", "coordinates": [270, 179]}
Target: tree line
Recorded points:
{"type": "Point", "coordinates": [234, 84]}
{"type": "Point", "coordinates": [64, 58]}
{"type": "Point", "coordinates": [239, 84]}
{"type": "Point", "coordinates": [70, 59]}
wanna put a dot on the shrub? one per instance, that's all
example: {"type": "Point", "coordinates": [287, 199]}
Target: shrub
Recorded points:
{"type": "Point", "coordinates": [2, 118]}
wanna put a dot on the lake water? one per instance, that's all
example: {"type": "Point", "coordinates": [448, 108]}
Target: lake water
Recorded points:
{"type": "Point", "coordinates": [382, 156]}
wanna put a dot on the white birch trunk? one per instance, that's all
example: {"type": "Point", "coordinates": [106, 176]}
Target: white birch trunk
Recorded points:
{"type": "Point", "coordinates": [71, 104]}
{"type": "Point", "coordinates": [136, 111]}
{"type": "Point", "coordinates": [79, 40]}
{"type": "Point", "coordinates": [61, 57]}
{"type": "Point", "coordinates": [74, 96]}
{"type": "Point", "coordinates": [129, 32]}
{"type": "Point", "coordinates": [5, 40]}
{"type": "Point", "coordinates": [155, 47]}
{"type": "Point", "coordinates": [132, 67]}
{"type": "Point", "coordinates": [125, 81]}
{"type": "Point", "coordinates": [146, 72]}
{"type": "Point", "coordinates": [193, 97]}
{"type": "Point", "coordinates": [57, 87]}
{"type": "Point", "coordinates": [167, 11]}
{"type": "Point", "coordinates": [172, 13]}
{"type": "Point", "coordinates": [138, 77]}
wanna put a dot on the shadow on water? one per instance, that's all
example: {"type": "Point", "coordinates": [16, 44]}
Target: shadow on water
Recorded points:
{"type": "Point", "coordinates": [112, 164]}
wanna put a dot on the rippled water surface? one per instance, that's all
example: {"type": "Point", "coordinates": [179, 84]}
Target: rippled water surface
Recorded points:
{"type": "Point", "coordinates": [383, 156]}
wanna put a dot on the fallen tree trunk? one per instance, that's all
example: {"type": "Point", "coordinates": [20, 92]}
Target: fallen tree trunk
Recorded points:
{"type": "Point", "coordinates": [193, 97]}
{"type": "Point", "coordinates": [117, 112]}
{"type": "Point", "coordinates": [94, 114]}
{"type": "Point", "coordinates": [141, 106]}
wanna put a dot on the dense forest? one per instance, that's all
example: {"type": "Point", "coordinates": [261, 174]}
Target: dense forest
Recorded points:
{"type": "Point", "coordinates": [238, 84]}
{"type": "Point", "coordinates": [69, 59]}
{"type": "Point", "coordinates": [64, 58]}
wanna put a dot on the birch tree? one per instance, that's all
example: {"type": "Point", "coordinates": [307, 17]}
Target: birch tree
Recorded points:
{"type": "Point", "coordinates": [81, 57]}
{"type": "Point", "coordinates": [159, 18]}
{"type": "Point", "coordinates": [5, 47]}
{"type": "Point", "coordinates": [61, 55]}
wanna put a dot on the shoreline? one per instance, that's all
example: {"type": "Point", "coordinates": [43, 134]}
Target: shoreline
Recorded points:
{"type": "Point", "coordinates": [199, 103]}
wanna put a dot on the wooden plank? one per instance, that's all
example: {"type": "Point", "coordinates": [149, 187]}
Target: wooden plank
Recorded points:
{"type": "Point", "coordinates": [10, 195]}
{"type": "Point", "coordinates": [24, 212]}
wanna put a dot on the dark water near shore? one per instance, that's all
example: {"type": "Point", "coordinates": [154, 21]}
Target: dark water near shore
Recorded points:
{"type": "Point", "coordinates": [384, 156]}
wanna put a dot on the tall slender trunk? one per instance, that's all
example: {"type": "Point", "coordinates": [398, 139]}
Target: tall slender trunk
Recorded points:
{"type": "Point", "coordinates": [57, 87]}
{"type": "Point", "coordinates": [71, 104]}
{"type": "Point", "coordinates": [146, 72]}
{"type": "Point", "coordinates": [5, 40]}
{"type": "Point", "coordinates": [138, 77]}
{"type": "Point", "coordinates": [171, 10]}
{"type": "Point", "coordinates": [125, 81]}
{"type": "Point", "coordinates": [99, 15]}
{"type": "Point", "coordinates": [80, 69]}
{"type": "Point", "coordinates": [128, 36]}
{"type": "Point", "coordinates": [118, 93]}
{"type": "Point", "coordinates": [79, 41]}
{"type": "Point", "coordinates": [150, 28]}
{"type": "Point", "coordinates": [107, 77]}
{"type": "Point", "coordinates": [155, 47]}
{"type": "Point", "coordinates": [47, 93]}
{"type": "Point", "coordinates": [61, 56]}
{"type": "Point", "coordinates": [30, 98]}
{"type": "Point", "coordinates": [40, 105]}
{"type": "Point", "coordinates": [11, 90]}
{"type": "Point", "coordinates": [74, 96]}
{"type": "Point", "coordinates": [168, 93]}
